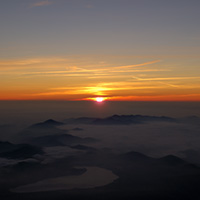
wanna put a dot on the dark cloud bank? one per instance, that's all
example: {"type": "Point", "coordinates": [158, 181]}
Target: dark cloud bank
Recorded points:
{"type": "Point", "coordinates": [117, 157]}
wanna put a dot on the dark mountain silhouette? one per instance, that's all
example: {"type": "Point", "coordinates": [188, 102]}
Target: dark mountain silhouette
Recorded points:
{"type": "Point", "coordinates": [48, 134]}
{"type": "Point", "coordinates": [121, 120]}
{"type": "Point", "coordinates": [46, 124]}
{"type": "Point", "coordinates": [60, 140]}
{"type": "Point", "coordinates": [22, 152]}
{"type": "Point", "coordinates": [46, 128]}
{"type": "Point", "coordinates": [171, 160]}
{"type": "Point", "coordinates": [7, 146]}
{"type": "Point", "coordinates": [117, 119]}
{"type": "Point", "coordinates": [135, 156]}
{"type": "Point", "coordinates": [18, 151]}
{"type": "Point", "coordinates": [166, 160]}
{"type": "Point", "coordinates": [131, 119]}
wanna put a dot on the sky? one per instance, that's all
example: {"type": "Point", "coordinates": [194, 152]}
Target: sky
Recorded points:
{"type": "Point", "coordinates": [121, 50]}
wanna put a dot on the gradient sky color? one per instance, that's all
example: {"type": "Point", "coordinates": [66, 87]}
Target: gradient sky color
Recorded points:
{"type": "Point", "coordinates": [142, 50]}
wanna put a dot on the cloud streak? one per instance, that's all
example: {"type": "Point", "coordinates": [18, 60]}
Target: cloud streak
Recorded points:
{"type": "Point", "coordinates": [72, 64]}
{"type": "Point", "coordinates": [166, 78]}
{"type": "Point", "coordinates": [41, 3]}
{"type": "Point", "coordinates": [138, 65]}
{"type": "Point", "coordinates": [23, 63]}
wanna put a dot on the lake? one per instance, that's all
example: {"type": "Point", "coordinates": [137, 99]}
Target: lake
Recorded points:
{"type": "Point", "coordinates": [93, 177]}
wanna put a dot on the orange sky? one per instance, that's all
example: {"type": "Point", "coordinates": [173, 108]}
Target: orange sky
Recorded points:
{"type": "Point", "coordinates": [117, 49]}
{"type": "Point", "coordinates": [83, 78]}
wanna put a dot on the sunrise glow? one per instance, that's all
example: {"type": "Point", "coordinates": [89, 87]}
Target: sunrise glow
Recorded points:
{"type": "Point", "coordinates": [99, 99]}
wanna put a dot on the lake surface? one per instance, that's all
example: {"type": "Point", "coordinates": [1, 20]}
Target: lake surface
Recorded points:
{"type": "Point", "coordinates": [93, 177]}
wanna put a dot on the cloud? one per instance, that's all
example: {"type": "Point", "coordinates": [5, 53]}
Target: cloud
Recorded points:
{"type": "Point", "coordinates": [166, 78]}
{"type": "Point", "coordinates": [74, 65]}
{"type": "Point", "coordinates": [174, 84]}
{"type": "Point", "coordinates": [76, 71]}
{"type": "Point", "coordinates": [42, 3]}
{"type": "Point", "coordinates": [71, 67]}
{"type": "Point", "coordinates": [23, 63]}
{"type": "Point", "coordinates": [118, 68]}
{"type": "Point", "coordinates": [138, 65]}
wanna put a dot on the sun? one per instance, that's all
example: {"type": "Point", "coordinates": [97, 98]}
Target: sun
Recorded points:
{"type": "Point", "coordinates": [99, 99]}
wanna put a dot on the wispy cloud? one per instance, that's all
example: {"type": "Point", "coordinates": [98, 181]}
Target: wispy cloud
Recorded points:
{"type": "Point", "coordinates": [138, 65]}
{"type": "Point", "coordinates": [36, 62]}
{"type": "Point", "coordinates": [41, 3]}
{"type": "Point", "coordinates": [166, 78]}
{"type": "Point", "coordinates": [174, 84]}
{"type": "Point", "coordinates": [114, 68]}
{"type": "Point", "coordinates": [72, 64]}
{"type": "Point", "coordinates": [71, 67]}
{"type": "Point", "coordinates": [91, 74]}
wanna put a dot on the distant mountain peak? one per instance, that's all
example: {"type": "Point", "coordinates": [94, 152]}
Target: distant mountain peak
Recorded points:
{"type": "Point", "coordinates": [171, 159]}
{"type": "Point", "coordinates": [135, 156]}
{"type": "Point", "coordinates": [120, 120]}
{"type": "Point", "coordinates": [49, 122]}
